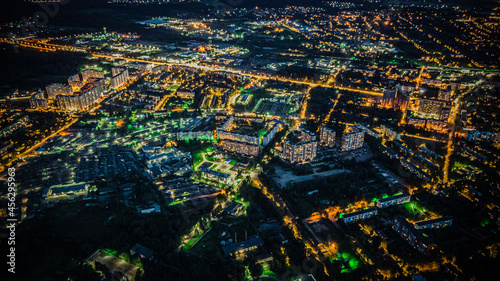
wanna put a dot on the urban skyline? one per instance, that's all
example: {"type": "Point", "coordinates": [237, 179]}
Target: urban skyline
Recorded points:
{"type": "Point", "coordinates": [250, 140]}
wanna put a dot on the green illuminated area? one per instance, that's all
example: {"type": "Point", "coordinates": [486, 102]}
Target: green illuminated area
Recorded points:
{"type": "Point", "coordinates": [199, 156]}
{"type": "Point", "coordinates": [349, 262]}
{"type": "Point", "coordinates": [177, 202]}
{"type": "Point", "coordinates": [125, 256]}
{"type": "Point", "coordinates": [415, 212]}
{"type": "Point", "coordinates": [261, 133]}
{"type": "Point", "coordinates": [267, 274]}
{"type": "Point", "coordinates": [413, 208]}
{"type": "Point", "coordinates": [244, 97]}
{"type": "Point", "coordinates": [458, 166]}
{"type": "Point", "coordinates": [375, 199]}
{"type": "Point", "coordinates": [272, 106]}
{"type": "Point", "coordinates": [240, 200]}
{"type": "Point", "coordinates": [192, 242]}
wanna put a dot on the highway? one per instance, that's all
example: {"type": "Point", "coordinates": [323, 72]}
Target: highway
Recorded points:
{"type": "Point", "coordinates": [451, 121]}
{"type": "Point", "coordinates": [40, 143]}
{"type": "Point", "coordinates": [292, 222]}
{"type": "Point", "coordinates": [239, 72]}
{"type": "Point", "coordinates": [43, 45]}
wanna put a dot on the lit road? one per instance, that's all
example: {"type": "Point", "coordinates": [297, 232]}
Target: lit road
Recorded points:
{"type": "Point", "coordinates": [292, 223]}
{"type": "Point", "coordinates": [253, 75]}
{"type": "Point", "coordinates": [43, 45]}
{"type": "Point", "coordinates": [451, 121]}
{"type": "Point", "coordinates": [42, 142]}
{"type": "Point", "coordinates": [422, 138]}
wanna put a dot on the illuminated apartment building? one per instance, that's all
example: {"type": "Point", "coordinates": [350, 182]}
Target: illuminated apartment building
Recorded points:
{"type": "Point", "coordinates": [412, 235]}
{"type": "Point", "coordinates": [38, 103]}
{"type": "Point", "coordinates": [58, 89]}
{"type": "Point", "coordinates": [396, 98]}
{"type": "Point", "coordinates": [390, 132]}
{"type": "Point", "coordinates": [81, 100]}
{"type": "Point", "coordinates": [327, 136]}
{"type": "Point", "coordinates": [393, 200]}
{"type": "Point", "coordinates": [75, 82]}
{"type": "Point", "coordinates": [91, 73]}
{"type": "Point", "coordinates": [360, 215]}
{"type": "Point", "coordinates": [445, 94]}
{"type": "Point", "coordinates": [120, 77]}
{"type": "Point", "coordinates": [306, 135]}
{"type": "Point", "coordinates": [435, 223]}
{"type": "Point", "coordinates": [299, 152]}
{"type": "Point", "coordinates": [266, 139]}
{"type": "Point", "coordinates": [431, 109]}
{"type": "Point", "coordinates": [353, 139]}
{"type": "Point", "coordinates": [225, 135]}
{"type": "Point", "coordinates": [241, 148]}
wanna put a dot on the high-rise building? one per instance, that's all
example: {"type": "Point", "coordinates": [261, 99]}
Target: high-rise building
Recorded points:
{"type": "Point", "coordinates": [299, 152]}
{"type": "Point", "coordinates": [305, 134]}
{"type": "Point", "coordinates": [38, 102]}
{"type": "Point", "coordinates": [414, 121]}
{"type": "Point", "coordinates": [81, 100]}
{"type": "Point", "coordinates": [396, 98]}
{"type": "Point", "coordinates": [435, 223]}
{"type": "Point", "coordinates": [429, 108]}
{"type": "Point", "coordinates": [15, 125]}
{"type": "Point", "coordinates": [242, 148]}
{"type": "Point", "coordinates": [75, 82]}
{"type": "Point", "coordinates": [185, 94]}
{"type": "Point", "coordinates": [120, 77]}
{"type": "Point", "coordinates": [98, 84]}
{"type": "Point", "coordinates": [58, 89]}
{"type": "Point", "coordinates": [435, 125]}
{"type": "Point", "coordinates": [226, 123]}
{"type": "Point", "coordinates": [353, 139]}
{"type": "Point", "coordinates": [359, 215]}
{"type": "Point", "coordinates": [369, 131]}
{"type": "Point", "coordinates": [388, 97]}
{"type": "Point", "coordinates": [455, 86]}
{"type": "Point", "coordinates": [69, 102]}
{"type": "Point", "coordinates": [225, 135]}
{"type": "Point", "coordinates": [327, 136]}
{"type": "Point", "coordinates": [266, 139]}
{"type": "Point", "coordinates": [91, 73]}
{"type": "Point", "coordinates": [393, 200]}
{"type": "Point", "coordinates": [445, 94]}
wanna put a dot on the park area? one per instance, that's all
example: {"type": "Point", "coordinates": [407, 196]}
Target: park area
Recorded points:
{"type": "Point", "coordinates": [270, 106]}
{"type": "Point", "coordinates": [115, 265]}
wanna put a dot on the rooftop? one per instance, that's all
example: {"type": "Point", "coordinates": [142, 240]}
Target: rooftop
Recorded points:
{"type": "Point", "coordinates": [253, 242]}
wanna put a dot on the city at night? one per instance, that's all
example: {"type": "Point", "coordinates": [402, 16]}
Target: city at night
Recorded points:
{"type": "Point", "coordinates": [247, 140]}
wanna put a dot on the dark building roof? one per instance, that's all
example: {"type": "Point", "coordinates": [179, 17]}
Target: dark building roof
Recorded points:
{"type": "Point", "coordinates": [206, 166]}
{"type": "Point", "coordinates": [215, 173]}
{"type": "Point", "coordinates": [411, 228]}
{"type": "Point", "coordinates": [253, 242]}
{"type": "Point", "coordinates": [68, 188]}
{"type": "Point", "coordinates": [142, 251]}
{"type": "Point", "coordinates": [421, 223]}
{"type": "Point", "coordinates": [359, 212]}
{"type": "Point", "coordinates": [233, 207]}
{"type": "Point", "coordinates": [394, 197]}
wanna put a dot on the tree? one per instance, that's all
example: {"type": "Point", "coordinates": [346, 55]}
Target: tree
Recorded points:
{"type": "Point", "coordinates": [256, 269]}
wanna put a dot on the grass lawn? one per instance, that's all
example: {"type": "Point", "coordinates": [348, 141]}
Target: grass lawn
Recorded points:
{"type": "Point", "coordinates": [191, 242]}
{"type": "Point", "coordinates": [197, 158]}
{"type": "Point", "coordinates": [174, 87]}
